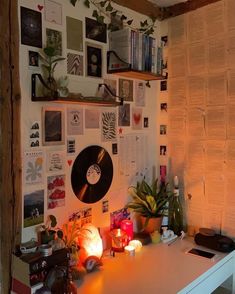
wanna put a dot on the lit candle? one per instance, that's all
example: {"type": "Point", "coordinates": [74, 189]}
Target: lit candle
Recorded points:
{"type": "Point", "coordinates": [176, 182]}
{"type": "Point", "coordinates": [119, 240]}
{"type": "Point", "coordinates": [130, 250]}
{"type": "Point", "coordinates": [137, 244]}
{"type": "Point", "coordinates": [127, 227]}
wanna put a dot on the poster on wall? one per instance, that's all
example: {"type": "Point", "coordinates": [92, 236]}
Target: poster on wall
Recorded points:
{"type": "Point", "coordinates": [55, 161]}
{"type": "Point", "coordinates": [53, 12]}
{"type": "Point", "coordinates": [74, 121]}
{"type": "Point", "coordinates": [33, 208]}
{"type": "Point", "coordinates": [75, 64]}
{"type": "Point", "coordinates": [55, 191]}
{"type": "Point", "coordinates": [109, 128]}
{"type": "Point", "coordinates": [96, 30]}
{"type": "Point", "coordinates": [93, 60]}
{"type": "Point", "coordinates": [31, 27]}
{"type": "Point", "coordinates": [54, 39]}
{"type": "Point", "coordinates": [139, 93]}
{"type": "Point", "coordinates": [33, 167]}
{"type": "Point", "coordinates": [82, 216]}
{"type": "Point", "coordinates": [92, 119]}
{"type": "Point", "coordinates": [74, 34]}
{"type": "Point", "coordinates": [124, 115]}
{"type": "Point", "coordinates": [137, 118]}
{"type": "Point", "coordinates": [126, 89]}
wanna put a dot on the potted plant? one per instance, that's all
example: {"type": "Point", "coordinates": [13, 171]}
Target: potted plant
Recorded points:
{"type": "Point", "coordinates": [149, 201]}
{"type": "Point", "coordinates": [47, 231]}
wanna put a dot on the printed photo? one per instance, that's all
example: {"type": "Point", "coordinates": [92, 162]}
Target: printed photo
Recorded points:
{"type": "Point", "coordinates": [33, 58]}
{"type": "Point", "coordinates": [55, 191]}
{"type": "Point", "coordinates": [33, 208]}
{"type": "Point", "coordinates": [126, 89]}
{"type": "Point", "coordinates": [54, 39]}
{"type": "Point", "coordinates": [93, 60]}
{"type": "Point", "coordinates": [124, 115]}
{"type": "Point", "coordinates": [95, 30]}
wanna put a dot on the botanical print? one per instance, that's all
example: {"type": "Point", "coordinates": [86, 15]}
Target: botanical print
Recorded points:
{"type": "Point", "coordinates": [139, 93]}
{"type": "Point", "coordinates": [53, 12]}
{"type": "Point", "coordinates": [137, 118]}
{"type": "Point", "coordinates": [74, 34]}
{"type": "Point", "coordinates": [33, 208]}
{"type": "Point", "coordinates": [75, 64]}
{"type": "Point", "coordinates": [31, 27]}
{"type": "Point", "coordinates": [74, 121]}
{"type": "Point", "coordinates": [96, 30]}
{"type": "Point", "coordinates": [126, 89]}
{"type": "Point", "coordinates": [55, 191]}
{"type": "Point", "coordinates": [33, 167]}
{"type": "Point", "coordinates": [124, 115]}
{"type": "Point", "coordinates": [55, 161]}
{"type": "Point", "coordinates": [109, 130]}
{"type": "Point", "coordinates": [54, 39]}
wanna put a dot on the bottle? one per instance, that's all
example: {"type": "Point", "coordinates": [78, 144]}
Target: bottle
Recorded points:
{"type": "Point", "coordinates": [175, 211]}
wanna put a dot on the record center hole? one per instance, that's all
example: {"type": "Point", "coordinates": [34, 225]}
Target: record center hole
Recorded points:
{"type": "Point", "coordinates": [93, 174]}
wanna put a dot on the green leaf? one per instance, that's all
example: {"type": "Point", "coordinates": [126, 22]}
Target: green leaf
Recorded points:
{"type": "Point", "coordinates": [123, 17]}
{"type": "Point", "coordinates": [53, 220]}
{"type": "Point", "coordinates": [129, 22]}
{"type": "Point", "coordinates": [109, 7]}
{"type": "Point", "coordinates": [100, 19]}
{"type": "Point", "coordinates": [114, 13]}
{"type": "Point", "coordinates": [58, 59]}
{"type": "Point", "coordinates": [73, 2]}
{"type": "Point", "coordinates": [87, 3]}
{"type": "Point", "coordinates": [95, 13]}
{"type": "Point", "coordinates": [102, 3]}
{"type": "Point", "coordinates": [49, 51]}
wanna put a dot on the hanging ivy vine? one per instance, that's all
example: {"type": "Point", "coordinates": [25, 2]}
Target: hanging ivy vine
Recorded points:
{"type": "Point", "coordinates": [102, 9]}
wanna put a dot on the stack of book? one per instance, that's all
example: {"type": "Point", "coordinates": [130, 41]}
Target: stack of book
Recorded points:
{"type": "Point", "coordinates": [139, 50]}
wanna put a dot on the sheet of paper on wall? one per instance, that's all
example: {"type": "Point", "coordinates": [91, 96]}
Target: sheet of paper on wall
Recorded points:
{"type": "Point", "coordinates": [228, 227]}
{"type": "Point", "coordinates": [196, 89]}
{"type": "Point", "coordinates": [217, 89]}
{"type": "Point", "coordinates": [177, 30]}
{"type": "Point", "coordinates": [231, 83]}
{"type": "Point", "coordinates": [176, 155]}
{"type": "Point", "coordinates": [177, 62]}
{"type": "Point", "coordinates": [231, 122]}
{"type": "Point", "coordinates": [177, 92]}
{"type": "Point", "coordinates": [215, 189]}
{"type": "Point", "coordinates": [133, 155]}
{"type": "Point", "coordinates": [216, 123]}
{"type": "Point", "coordinates": [196, 122]}
{"type": "Point", "coordinates": [195, 157]}
{"type": "Point", "coordinates": [196, 25]}
{"type": "Point", "coordinates": [197, 58]}
{"type": "Point", "coordinates": [215, 156]}
{"type": "Point", "coordinates": [217, 53]}
{"type": "Point", "coordinates": [214, 18]}
{"type": "Point", "coordinates": [212, 218]}
{"type": "Point", "coordinates": [53, 12]}
{"type": "Point", "coordinates": [33, 167]}
{"type": "Point", "coordinates": [55, 161]}
{"type": "Point", "coordinates": [75, 121]}
{"type": "Point", "coordinates": [109, 126]}
{"type": "Point", "coordinates": [176, 120]}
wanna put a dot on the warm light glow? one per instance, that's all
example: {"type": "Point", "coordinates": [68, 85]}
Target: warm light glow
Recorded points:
{"type": "Point", "coordinates": [130, 250]}
{"type": "Point", "coordinates": [118, 233]}
{"type": "Point", "coordinates": [119, 240]}
{"type": "Point", "coordinates": [136, 244]}
{"type": "Point", "coordinates": [127, 226]}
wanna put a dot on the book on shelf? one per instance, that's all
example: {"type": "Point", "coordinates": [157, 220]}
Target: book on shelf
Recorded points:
{"type": "Point", "coordinates": [137, 49]}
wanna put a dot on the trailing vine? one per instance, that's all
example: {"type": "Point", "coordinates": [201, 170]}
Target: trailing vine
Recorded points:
{"type": "Point", "coordinates": [105, 8]}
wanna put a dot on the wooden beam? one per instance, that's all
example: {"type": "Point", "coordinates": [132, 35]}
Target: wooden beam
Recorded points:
{"type": "Point", "coordinates": [10, 155]}
{"type": "Point", "coordinates": [142, 6]}
{"type": "Point", "coordinates": [184, 7]}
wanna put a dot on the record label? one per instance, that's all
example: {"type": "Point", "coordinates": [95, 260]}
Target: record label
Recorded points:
{"type": "Point", "coordinates": [92, 174]}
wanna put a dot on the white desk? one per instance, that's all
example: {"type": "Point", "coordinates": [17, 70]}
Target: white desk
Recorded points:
{"type": "Point", "coordinates": [160, 269]}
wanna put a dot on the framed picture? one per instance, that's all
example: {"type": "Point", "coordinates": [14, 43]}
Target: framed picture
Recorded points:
{"type": "Point", "coordinates": [33, 58]}
{"type": "Point", "coordinates": [95, 30]}
{"type": "Point", "coordinates": [93, 60]}
{"type": "Point", "coordinates": [52, 126]}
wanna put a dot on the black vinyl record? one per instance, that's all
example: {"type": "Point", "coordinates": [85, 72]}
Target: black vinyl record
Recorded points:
{"type": "Point", "coordinates": [92, 174]}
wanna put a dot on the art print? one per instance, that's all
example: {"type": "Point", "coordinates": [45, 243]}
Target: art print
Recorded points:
{"type": "Point", "coordinates": [74, 30]}
{"type": "Point", "coordinates": [163, 129]}
{"type": "Point", "coordinates": [31, 27]}
{"type": "Point", "coordinates": [54, 39]}
{"type": "Point", "coordinates": [82, 216]}
{"type": "Point", "coordinates": [109, 128]}
{"type": "Point", "coordinates": [163, 107]}
{"type": "Point", "coordinates": [146, 122]}
{"type": "Point", "coordinates": [117, 216]}
{"type": "Point", "coordinates": [137, 118]}
{"type": "Point", "coordinates": [96, 30]}
{"type": "Point", "coordinates": [55, 161]}
{"type": "Point", "coordinates": [163, 86]}
{"type": "Point", "coordinates": [124, 115]}
{"type": "Point", "coordinates": [53, 126]}
{"type": "Point", "coordinates": [162, 150]}
{"type": "Point", "coordinates": [93, 60]}
{"type": "Point", "coordinates": [71, 147]}
{"type": "Point", "coordinates": [33, 167]}
{"type": "Point", "coordinates": [33, 59]}
{"type": "Point", "coordinates": [75, 121]}
{"type": "Point", "coordinates": [92, 119]}
{"type": "Point", "coordinates": [108, 92]}
{"type": "Point", "coordinates": [33, 208]}
{"type": "Point", "coordinates": [55, 191]}
{"type": "Point", "coordinates": [75, 64]}
{"type": "Point", "coordinates": [34, 134]}
{"type": "Point", "coordinates": [139, 93]}
{"type": "Point", "coordinates": [53, 12]}
{"type": "Point", "coordinates": [126, 89]}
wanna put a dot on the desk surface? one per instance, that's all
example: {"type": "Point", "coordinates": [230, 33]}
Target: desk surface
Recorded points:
{"type": "Point", "coordinates": [157, 268]}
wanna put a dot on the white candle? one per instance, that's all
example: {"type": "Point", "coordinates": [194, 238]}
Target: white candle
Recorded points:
{"type": "Point", "coordinates": [136, 244]}
{"type": "Point", "coordinates": [130, 250]}
{"type": "Point", "coordinates": [176, 182]}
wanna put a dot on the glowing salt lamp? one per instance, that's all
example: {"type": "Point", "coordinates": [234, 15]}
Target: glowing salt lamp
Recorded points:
{"type": "Point", "coordinates": [90, 242]}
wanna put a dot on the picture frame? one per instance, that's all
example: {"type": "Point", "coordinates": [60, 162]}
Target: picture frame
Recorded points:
{"type": "Point", "coordinates": [53, 130]}
{"type": "Point", "coordinates": [94, 60]}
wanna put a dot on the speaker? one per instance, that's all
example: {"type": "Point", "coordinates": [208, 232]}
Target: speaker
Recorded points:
{"type": "Point", "coordinates": [216, 242]}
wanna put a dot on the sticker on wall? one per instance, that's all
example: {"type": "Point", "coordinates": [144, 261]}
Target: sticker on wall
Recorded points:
{"type": "Point", "coordinates": [105, 206]}
{"type": "Point", "coordinates": [137, 118]}
{"type": "Point", "coordinates": [55, 191]}
{"type": "Point", "coordinates": [163, 150]}
{"type": "Point", "coordinates": [163, 129]}
{"type": "Point", "coordinates": [139, 93]}
{"type": "Point", "coordinates": [33, 167]}
{"type": "Point", "coordinates": [40, 7]}
{"type": "Point", "coordinates": [71, 148]}
{"type": "Point", "coordinates": [92, 119]}
{"type": "Point", "coordinates": [74, 121]}
{"type": "Point", "coordinates": [163, 107]}
{"type": "Point", "coordinates": [33, 59]}
{"type": "Point", "coordinates": [31, 27]}
{"type": "Point", "coordinates": [163, 173]}
{"type": "Point", "coordinates": [69, 161]}
{"type": "Point", "coordinates": [34, 134]}
{"type": "Point", "coordinates": [53, 12]}
{"type": "Point", "coordinates": [124, 115]}
{"type": "Point", "coordinates": [93, 60]}
{"type": "Point", "coordinates": [114, 148]}
{"type": "Point", "coordinates": [55, 161]}
{"type": "Point", "coordinates": [164, 40]}
{"type": "Point", "coordinates": [96, 30]}
{"type": "Point", "coordinates": [74, 34]}
{"type": "Point", "coordinates": [33, 208]}
{"type": "Point", "coordinates": [126, 89]}
{"type": "Point", "coordinates": [117, 216]}
{"type": "Point", "coordinates": [83, 215]}
{"type": "Point", "coordinates": [54, 39]}
{"type": "Point", "coordinates": [146, 122]}
{"type": "Point", "coordinates": [108, 129]}
{"type": "Point", "coordinates": [75, 64]}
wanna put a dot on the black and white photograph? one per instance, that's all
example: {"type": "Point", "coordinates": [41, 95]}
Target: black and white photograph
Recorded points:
{"type": "Point", "coordinates": [95, 30]}
{"type": "Point", "coordinates": [93, 60]}
{"type": "Point", "coordinates": [33, 59]}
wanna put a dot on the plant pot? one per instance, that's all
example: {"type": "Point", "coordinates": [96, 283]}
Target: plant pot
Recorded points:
{"type": "Point", "coordinates": [154, 224]}
{"type": "Point", "coordinates": [47, 236]}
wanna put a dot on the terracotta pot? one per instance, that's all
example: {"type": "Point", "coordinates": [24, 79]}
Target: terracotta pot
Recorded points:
{"type": "Point", "coordinates": [154, 224]}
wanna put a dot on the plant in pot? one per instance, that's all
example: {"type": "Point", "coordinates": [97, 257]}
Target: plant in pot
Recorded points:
{"type": "Point", "coordinates": [149, 201]}
{"type": "Point", "coordinates": [48, 231]}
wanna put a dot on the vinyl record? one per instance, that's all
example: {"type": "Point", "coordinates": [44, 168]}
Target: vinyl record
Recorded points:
{"type": "Point", "coordinates": [92, 174]}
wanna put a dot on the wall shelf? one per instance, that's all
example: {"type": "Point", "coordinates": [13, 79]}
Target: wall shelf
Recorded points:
{"type": "Point", "coordinates": [117, 66]}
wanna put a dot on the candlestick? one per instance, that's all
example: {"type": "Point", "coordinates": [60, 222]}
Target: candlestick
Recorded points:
{"type": "Point", "coordinates": [119, 240]}
{"type": "Point", "coordinates": [127, 226]}
{"type": "Point", "coordinates": [130, 250]}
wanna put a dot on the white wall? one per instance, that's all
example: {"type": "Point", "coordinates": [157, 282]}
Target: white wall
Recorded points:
{"type": "Point", "coordinates": [32, 111]}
